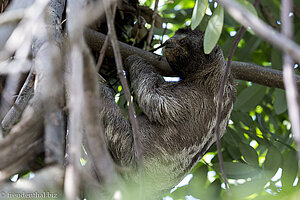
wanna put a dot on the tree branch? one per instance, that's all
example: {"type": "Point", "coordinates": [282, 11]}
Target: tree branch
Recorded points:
{"type": "Point", "coordinates": [288, 74]}
{"type": "Point", "coordinates": [241, 70]}
{"type": "Point", "coordinates": [21, 102]}
{"type": "Point", "coordinates": [118, 60]}
{"type": "Point", "coordinates": [22, 140]}
{"type": "Point", "coordinates": [150, 34]}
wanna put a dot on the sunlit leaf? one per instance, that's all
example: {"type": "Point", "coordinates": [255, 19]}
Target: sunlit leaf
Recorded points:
{"type": "Point", "coordinates": [248, 188]}
{"type": "Point", "coordinates": [247, 5]}
{"type": "Point", "coordinates": [273, 161]}
{"type": "Point", "coordinates": [198, 12]}
{"type": "Point", "coordinates": [249, 98]}
{"type": "Point", "coordinates": [289, 169]}
{"type": "Point", "coordinates": [280, 104]}
{"type": "Point", "coordinates": [249, 154]}
{"type": "Point", "coordinates": [238, 170]}
{"type": "Point", "coordinates": [213, 29]}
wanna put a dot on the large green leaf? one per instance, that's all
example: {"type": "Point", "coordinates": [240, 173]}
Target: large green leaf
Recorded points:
{"type": "Point", "coordinates": [248, 188]}
{"type": "Point", "coordinates": [289, 169]}
{"type": "Point", "coordinates": [249, 154]}
{"type": "Point", "coordinates": [247, 6]}
{"type": "Point", "coordinates": [280, 104]}
{"type": "Point", "coordinates": [198, 12]}
{"type": "Point", "coordinates": [237, 170]}
{"type": "Point", "coordinates": [249, 98]}
{"type": "Point", "coordinates": [272, 162]}
{"type": "Point", "coordinates": [213, 29]}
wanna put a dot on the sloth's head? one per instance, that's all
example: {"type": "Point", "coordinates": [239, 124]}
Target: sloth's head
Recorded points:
{"type": "Point", "coordinates": [185, 53]}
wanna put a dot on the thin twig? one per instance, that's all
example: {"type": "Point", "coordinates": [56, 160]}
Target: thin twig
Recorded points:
{"type": "Point", "coordinates": [102, 53]}
{"type": "Point", "coordinates": [289, 75]}
{"type": "Point", "coordinates": [139, 26]}
{"type": "Point", "coordinates": [220, 101]}
{"type": "Point", "coordinates": [132, 114]}
{"type": "Point", "coordinates": [150, 34]}
{"type": "Point", "coordinates": [118, 59]}
{"type": "Point", "coordinates": [105, 45]}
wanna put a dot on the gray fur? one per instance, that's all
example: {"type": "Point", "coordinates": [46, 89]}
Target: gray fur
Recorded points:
{"type": "Point", "coordinates": [178, 119]}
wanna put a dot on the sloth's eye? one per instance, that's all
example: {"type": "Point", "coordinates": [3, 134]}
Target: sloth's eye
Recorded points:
{"type": "Point", "coordinates": [182, 42]}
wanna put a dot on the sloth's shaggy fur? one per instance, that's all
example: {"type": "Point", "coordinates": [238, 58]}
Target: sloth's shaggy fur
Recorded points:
{"type": "Point", "coordinates": [178, 119]}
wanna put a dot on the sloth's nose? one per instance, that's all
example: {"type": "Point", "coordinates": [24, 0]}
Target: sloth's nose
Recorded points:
{"type": "Point", "coordinates": [170, 43]}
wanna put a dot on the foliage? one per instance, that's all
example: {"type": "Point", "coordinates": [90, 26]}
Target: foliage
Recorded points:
{"type": "Point", "coordinates": [259, 152]}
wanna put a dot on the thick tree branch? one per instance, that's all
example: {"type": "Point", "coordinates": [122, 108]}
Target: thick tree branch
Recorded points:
{"type": "Point", "coordinates": [241, 70]}
{"type": "Point", "coordinates": [48, 179]}
{"type": "Point", "coordinates": [84, 102]}
{"type": "Point", "coordinates": [54, 86]}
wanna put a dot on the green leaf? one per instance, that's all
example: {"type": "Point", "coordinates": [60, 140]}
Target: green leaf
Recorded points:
{"type": "Point", "coordinates": [237, 170]}
{"type": "Point", "coordinates": [233, 151]}
{"type": "Point", "coordinates": [249, 98]}
{"type": "Point", "coordinates": [276, 59]}
{"type": "Point", "coordinates": [249, 154]}
{"type": "Point", "coordinates": [242, 117]}
{"type": "Point", "coordinates": [199, 176]}
{"type": "Point", "coordinates": [248, 6]}
{"type": "Point", "coordinates": [272, 162]}
{"type": "Point", "coordinates": [289, 169]}
{"type": "Point", "coordinates": [280, 104]}
{"type": "Point", "coordinates": [213, 29]}
{"type": "Point", "coordinates": [198, 12]}
{"type": "Point", "coordinates": [248, 188]}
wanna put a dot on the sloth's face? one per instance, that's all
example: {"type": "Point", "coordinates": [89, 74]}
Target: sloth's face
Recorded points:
{"type": "Point", "coordinates": [185, 54]}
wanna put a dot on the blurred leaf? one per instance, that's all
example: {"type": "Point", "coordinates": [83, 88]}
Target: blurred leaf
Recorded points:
{"type": "Point", "coordinates": [180, 193]}
{"type": "Point", "coordinates": [272, 162]}
{"type": "Point", "coordinates": [230, 137]}
{"type": "Point", "coordinates": [276, 59]}
{"type": "Point", "coordinates": [198, 12]}
{"type": "Point", "coordinates": [213, 29]}
{"type": "Point", "coordinates": [248, 6]}
{"type": "Point", "coordinates": [249, 154]}
{"type": "Point", "coordinates": [250, 97]}
{"type": "Point", "coordinates": [289, 169]}
{"type": "Point", "coordinates": [160, 31]}
{"type": "Point", "coordinates": [248, 188]}
{"type": "Point", "coordinates": [214, 190]}
{"type": "Point", "coordinates": [237, 116]}
{"type": "Point", "coordinates": [238, 170]}
{"type": "Point", "coordinates": [280, 104]}
{"type": "Point", "coordinates": [233, 151]}
{"type": "Point", "coordinates": [199, 176]}
{"type": "Point", "coordinates": [198, 182]}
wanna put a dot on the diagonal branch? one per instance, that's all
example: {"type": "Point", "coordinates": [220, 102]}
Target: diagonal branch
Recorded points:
{"type": "Point", "coordinates": [21, 102]}
{"type": "Point", "coordinates": [150, 34]}
{"type": "Point", "coordinates": [118, 60]}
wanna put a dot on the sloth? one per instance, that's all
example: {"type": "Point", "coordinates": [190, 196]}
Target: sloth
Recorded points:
{"type": "Point", "coordinates": [177, 123]}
